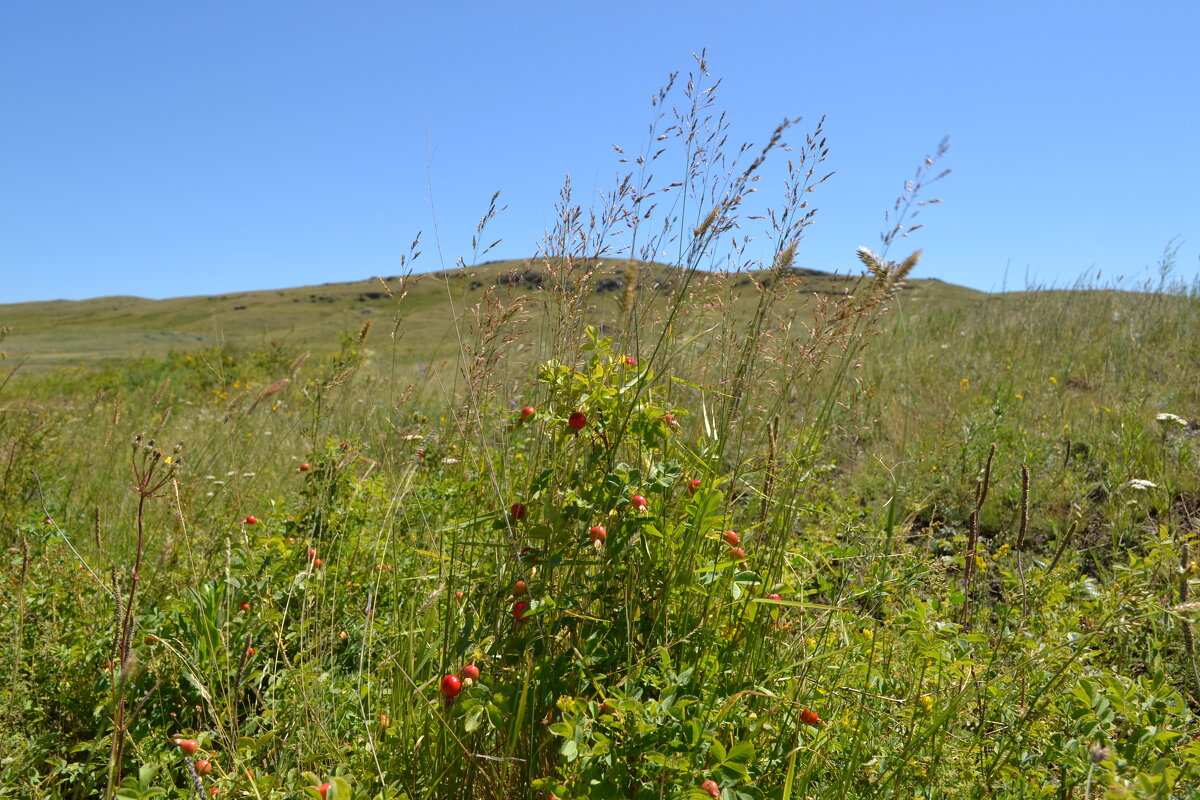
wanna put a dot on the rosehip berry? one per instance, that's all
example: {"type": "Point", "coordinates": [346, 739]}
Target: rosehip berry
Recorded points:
{"type": "Point", "coordinates": [312, 553]}
{"type": "Point", "coordinates": [305, 467]}
{"type": "Point", "coordinates": [731, 538]}
{"type": "Point", "coordinates": [458, 595]}
{"type": "Point", "coordinates": [638, 502]}
{"type": "Point", "coordinates": [577, 421]}
{"type": "Point", "coordinates": [322, 790]}
{"type": "Point", "coordinates": [738, 554]}
{"type": "Point", "coordinates": [527, 412]}
{"type": "Point", "coordinates": [774, 597]}
{"type": "Point", "coordinates": [518, 511]}
{"type": "Point", "coordinates": [245, 606]}
{"type": "Point", "coordinates": [188, 746]}
{"type": "Point", "coordinates": [519, 589]}
{"type": "Point", "coordinates": [693, 485]}
{"type": "Point", "coordinates": [251, 520]}
{"type": "Point", "coordinates": [808, 717]}
{"type": "Point", "coordinates": [518, 610]}
{"type": "Point", "coordinates": [711, 787]}
{"type": "Point", "coordinates": [451, 686]}
{"type": "Point", "coordinates": [317, 563]}
{"type": "Point", "coordinates": [597, 533]}
{"type": "Point", "coordinates": [203, 767]}
{"type": "Point", "coordinates": [470, 672]}
{"type": "Point", "coordinates": [630, 361]}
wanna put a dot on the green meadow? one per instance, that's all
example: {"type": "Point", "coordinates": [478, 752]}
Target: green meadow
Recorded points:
{"type": "Point", "coordinates": [590, 527]}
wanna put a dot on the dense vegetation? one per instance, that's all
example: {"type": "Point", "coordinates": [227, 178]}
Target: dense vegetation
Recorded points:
{"type": "Point", "coordinates": [642, 549]}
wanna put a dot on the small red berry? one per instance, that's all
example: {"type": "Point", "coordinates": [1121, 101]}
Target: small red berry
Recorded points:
{"type": "Point", "coordinates": [451, 686]}
{"type": "Point", "coordinates": [305, 467]}
{"type": "Point", "coordinates": [731, 538]}
{"type": "Point", "coordinates": [577, 421]}
{"type": "Point", "coordinates": [203, 767]}
{"type": "Point", "coordinates": [322, 790]}
{"type": "Point", "coordinates": [527, 412]}
{"type": "Point", "coordinates": [630, 361]}
{"type": "Point", "coordinates": [470, 672]}
{"type": "Point", "coordinates": [188, 746]}
{"type": "Point", "coordinates": [245, 606]}
{"type": "Point", "coordinates": [518, 610]}
{"type": "Point", "coordinates": [49, 521]}
{"type": "Point", "coordinates": [317, 563]}
{"type": "Point", "coordinates": [808, 717]}
{"type": "Point", "coordinates": [213, 791]}
{"type": "Point", "coordinates": [458, 595]}
{"type": "Point", "coordinates": [251, 520]}
{"type": "Point", "coordinates": [711, 787]}
{"type": "Point", "coordinates": [519, 589]}
{"type": "Point", "coordinates": [312, 553]}
{"type": "Point", "coordinates": [669, 418]}
{"type": "Point", "coordinates": [151, 639]}
{"type": "Point", "coordinates": [597, 533]}
{"type": "Point", "coordinates": [518, 511]}
{"type": "Point", "coordinates": [638, 502]}
{"type": "Point", "coordinates": [738, 554]}
{"type": "Point", "coordinates": [693, 485]}
{"type": "Point", "coordinates": [774, 597]}
{"type": "Point", "coordinates": [250, 651]}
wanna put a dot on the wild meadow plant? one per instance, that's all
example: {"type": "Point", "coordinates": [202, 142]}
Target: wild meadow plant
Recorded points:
{"type": "Point", "coordinates": [650, 534]}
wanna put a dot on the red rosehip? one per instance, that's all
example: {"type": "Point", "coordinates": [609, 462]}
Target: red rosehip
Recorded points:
{"type": "Point", "coordinates": [188, 746]}
{"type": "Point", "coordinates": [774, 597]}
{"type": "Point", "coordinates": [245, 606]}
{"type": "Point", "coordinates": [322, 790]}
{"type": "Point", "coordinates": [213, 791]}
{"type": "Point", "coordinates": [251, 520]}
{"type": "Point", "coordinates": [203, 767]}
{"type": "Point", "coordinates": [630, 361]}
{"type": "Point", "coordinates": [693, 485]}
{"type": "Point", "coordinates": [731, 538]}
{"type": "Point", "coordinates": [808, 717]}
{"type": "Point", "coordinates": [312, 553]}
{"type": "Point", "coordinates": [317, 563]}
{"type": "Point", "coordinates": [527, 412]}
{"type": "Point", "coordinates": [638, 502]}
{"type": "Point", "coordinates": [669, 418]}
{"type": "Point", "coordinates": [470, 672]}
{"type": "Point", "coordinates": [305, 467]}
{"type": "Point", "coordinates": [519, 589]}
{"type": "Point", "coordinates": [711, 787]}
{"type": "Point", "coordinates": [738, 554]}
{"type": "Point", "coordinates": [529, 554]}
{"type": "Point", "coordinates": [250, 651]}
{"type": "Point", "coordinates": [577, 421]}
{"type": "Point", "coordinates": [518, 511]}
{"type": "Point", "coordinates": [49, 521]}
{"type": "Point", "coordinates": [451, 686]}
{"type": "Point", "coordinates": [458, 595]}
{"type": "Point", "coordinates": [597, 533]}
{"type": "Point", "coordinates": [518, 610]}
{"type": "Point", "coordinates": [151, 639]}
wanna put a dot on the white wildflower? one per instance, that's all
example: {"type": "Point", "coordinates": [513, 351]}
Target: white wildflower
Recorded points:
{"type": "Point", "coordinates": [1170, 419]}
{"type": "Point", "coordinates": [1139, 484]}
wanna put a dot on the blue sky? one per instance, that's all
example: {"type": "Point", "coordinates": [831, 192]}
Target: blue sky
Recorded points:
{"type": "Point", "coordinates": [164, 149]}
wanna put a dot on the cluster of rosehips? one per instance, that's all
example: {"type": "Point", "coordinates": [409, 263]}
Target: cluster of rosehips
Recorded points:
{"type": "Point", "coordinates": [202, 766]}
{"type": "Point", "coordinates": [735, 549]}
{"type": "Point", "coordinates": [453, 684]}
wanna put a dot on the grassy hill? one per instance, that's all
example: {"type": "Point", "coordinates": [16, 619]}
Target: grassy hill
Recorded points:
{"type": "Point", "coordinates": [57, 333]}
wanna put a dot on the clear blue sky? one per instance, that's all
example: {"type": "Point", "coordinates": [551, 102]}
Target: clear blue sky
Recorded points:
{"type": "Point", "coordinates": [162, 149]}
